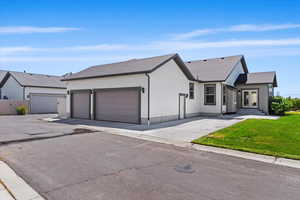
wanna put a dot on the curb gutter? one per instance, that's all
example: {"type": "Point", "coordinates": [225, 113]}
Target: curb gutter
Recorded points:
{"type": "Point", "coordinates": [15, 186]}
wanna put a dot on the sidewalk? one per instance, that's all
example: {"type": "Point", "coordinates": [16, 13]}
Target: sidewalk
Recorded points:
{"type": "Point", "coordinates": [13, 187]}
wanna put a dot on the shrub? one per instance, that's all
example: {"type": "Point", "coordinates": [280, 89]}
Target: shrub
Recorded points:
{"type": "Point", "coordinates": [21, 110]}
{"type": "Point", "coordinates": [280, 105]}
{"type": "Point", "coordinates": [296, 104]}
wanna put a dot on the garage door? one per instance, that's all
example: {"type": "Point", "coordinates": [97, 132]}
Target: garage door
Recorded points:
{"type": "Point", "coordinates": [80, 104]}
{"type": "Point", "coordinates": [120, 105]}
{"type": "Point", "coordinates": [43, 103]}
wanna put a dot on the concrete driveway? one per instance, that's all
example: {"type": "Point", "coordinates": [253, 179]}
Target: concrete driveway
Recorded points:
{"type": "Point", "coordinates": [15, 128]}
{"type": "Point", "coordinates": [180, 130]}
{"type": "Point", "coordinates": [100, 166]}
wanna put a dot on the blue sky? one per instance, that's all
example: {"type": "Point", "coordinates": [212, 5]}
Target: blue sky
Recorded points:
{"type": "Point", "coordinates": [55, 37]}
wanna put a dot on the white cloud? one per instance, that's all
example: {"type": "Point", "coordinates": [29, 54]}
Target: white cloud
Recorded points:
{"type": "Point", "coordinates": [235, 28]}
{"type": "Point", "coordinates": [168, 46]}
{"type": "Point", "coordinates": [99, 47]}
{"type": "Point", "coordinates": [62, 59]}
{"type": "Point", "coordinates": [10, 50]}
{"type": "Point", "coordinates": [34, 29]}
{"type": "Point", "coordinates": [182, 45]}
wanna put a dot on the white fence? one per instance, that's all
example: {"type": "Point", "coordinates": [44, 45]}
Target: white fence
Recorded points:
{"type": "Point", "coordinates": [8, 107]}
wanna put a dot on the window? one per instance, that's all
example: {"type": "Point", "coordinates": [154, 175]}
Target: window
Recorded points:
{"type": "Point", "coordinates": [224, 95]}
{"type": "Point", "coordinates": [191, 90]}
{"type": "Point", "coordinates": [210, 94]}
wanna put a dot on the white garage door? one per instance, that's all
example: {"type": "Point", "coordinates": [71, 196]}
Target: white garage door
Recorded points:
{"type": "Point", "coordinates": [43, 103]}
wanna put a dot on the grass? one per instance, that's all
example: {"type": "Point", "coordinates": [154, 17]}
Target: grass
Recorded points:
{"type": "Point", "coordinates": [280, 138]}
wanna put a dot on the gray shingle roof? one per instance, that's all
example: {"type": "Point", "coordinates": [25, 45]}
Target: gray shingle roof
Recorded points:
{"type": "Point", "coordinates": [38, 80]}
{"type": "Point", "coordinates": [2, 75]}
{"type": "Point", "coordinates": [257, 78]}
{"type": "Point", "coordinates": [35, 80]}
{"type": "Point", "coordinates": [215, 69]}
{"type": "Point", "coordinates": [134, 66]}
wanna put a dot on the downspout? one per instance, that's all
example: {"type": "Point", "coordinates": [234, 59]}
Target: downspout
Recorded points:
{"type": "Point", "coordinates": [148, 115]}
{"type": "Point", "coordinates": [24, 93]}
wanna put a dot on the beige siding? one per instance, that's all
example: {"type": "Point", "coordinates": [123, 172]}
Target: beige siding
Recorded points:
{"type": "Point", "coordinates": [263, 98]}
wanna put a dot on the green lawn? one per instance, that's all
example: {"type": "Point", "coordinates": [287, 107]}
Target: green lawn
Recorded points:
{"type": "Point", "coordinates": [280, 138]}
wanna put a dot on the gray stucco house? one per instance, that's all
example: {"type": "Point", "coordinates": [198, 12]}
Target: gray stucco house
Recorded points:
{"type": "Point", "coordinates": [40, 90]}
{"type": "Point", "coordinates": [163, 88]}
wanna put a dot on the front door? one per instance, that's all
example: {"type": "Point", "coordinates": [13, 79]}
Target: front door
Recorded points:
{"type": "Point", "coordinates": [250, 98]}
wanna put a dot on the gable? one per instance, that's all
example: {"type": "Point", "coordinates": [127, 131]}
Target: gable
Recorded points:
{"type": "Point", "coordinates": [215, 69]}
{"type": "Point", "coordinates": [234, 74]}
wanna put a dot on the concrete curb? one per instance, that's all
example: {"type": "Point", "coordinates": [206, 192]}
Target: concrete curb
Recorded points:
{"type": "Point", "coordinates": [229, 152]}
{"type": "Point", "coordinates": [16, 186]}
{"type": "Point", "coordinates": [4, 194]}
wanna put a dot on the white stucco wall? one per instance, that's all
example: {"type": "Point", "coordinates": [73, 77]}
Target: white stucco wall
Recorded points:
{"type": "Point", "coordinates": [238, 69]}
{"type": "Point", "coordinates": [12, 89]}
{"type": "Point", "coordinates": [40, 90]}
{"type": "Point", "coordinates": [138, 80]}
{"type": "Point", "coordinates": [211, 109]}
{"type": "Point", "coordinates": [166, 84]}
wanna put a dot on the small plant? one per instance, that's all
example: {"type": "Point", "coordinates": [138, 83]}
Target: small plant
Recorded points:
{"type": "Point", "coordinates": [280, 105]}
{"type": "Point", "coordinates": [21, 110]}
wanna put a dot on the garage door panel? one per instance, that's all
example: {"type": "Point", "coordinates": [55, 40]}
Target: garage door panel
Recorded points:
{"type": "Point", "coordinates": [118, 105]}
{"type": "Point", "coordinates": [43, 103]}
{"type": "Point", "coordinates": [81, 105]}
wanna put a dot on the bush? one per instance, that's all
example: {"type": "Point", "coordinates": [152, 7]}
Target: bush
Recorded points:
{"type": "Point", "coordinates": [296, 104]}
{"type": "Point", "coordinates": [280, 105]}
{"type": "Point", "coordinates": [21, 110]}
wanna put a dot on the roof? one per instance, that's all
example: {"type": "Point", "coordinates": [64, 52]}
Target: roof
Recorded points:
{"type": "Point", "coordinates": [2, 75]}
{"type": "Point", "coordinates": [215, 69]}
{"type": "Point", "coordinates": [257, 78]}
{"type": "Point", "coordinates": [36, 80]}
{"type": "Point", "coordinates": [133, 66]}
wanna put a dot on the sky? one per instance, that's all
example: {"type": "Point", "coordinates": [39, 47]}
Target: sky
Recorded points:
{"type": "Point", "coordinates": [56, 37]}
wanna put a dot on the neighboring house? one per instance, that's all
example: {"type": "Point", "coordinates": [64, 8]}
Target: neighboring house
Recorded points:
{"type": "Point", "coordinates": [165, 88]}
{"type": "Point", "coordinates": [2, 75]}
{"type": "Point", "coordinates": [42, 91]}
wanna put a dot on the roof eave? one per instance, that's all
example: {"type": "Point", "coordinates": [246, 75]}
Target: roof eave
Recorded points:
{"type": "Point", "coordinates": [176, 58]}
{"type": "Point", "coordinates": [38, 86]}
{"type": "Point", "coordinates": [108, 75]}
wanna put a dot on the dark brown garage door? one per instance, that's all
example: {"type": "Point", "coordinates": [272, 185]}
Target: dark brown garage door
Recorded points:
{"type": "Point", "coordinates": [120, 105]}
{"type": "Point", "coordinates": [80, 104]}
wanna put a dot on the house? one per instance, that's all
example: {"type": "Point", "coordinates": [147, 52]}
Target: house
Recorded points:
{"type": "Point", "coordinates": [40, 90]}
{"type": "Point", "coordinates": [164, 88]}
